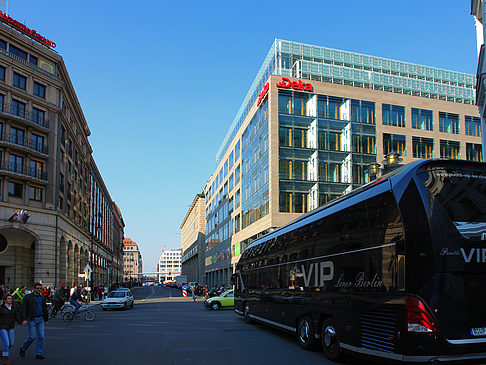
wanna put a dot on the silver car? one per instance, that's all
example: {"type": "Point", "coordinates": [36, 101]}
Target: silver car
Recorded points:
{"type": "Point", "coordinates": [118, 299]}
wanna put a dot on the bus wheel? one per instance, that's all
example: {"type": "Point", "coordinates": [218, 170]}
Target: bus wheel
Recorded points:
{"type": "Point", "coordinates": [330, 341]}
{"type": "Point", "coordinates": [305, 332]}
{"type": "Point", "coordinates": [246, 313]}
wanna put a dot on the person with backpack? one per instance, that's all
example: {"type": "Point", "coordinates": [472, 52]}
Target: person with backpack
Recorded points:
{"type": "Point", "coordinates": [19, 294]}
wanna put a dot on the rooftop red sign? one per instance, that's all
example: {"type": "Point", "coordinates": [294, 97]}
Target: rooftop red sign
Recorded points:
{"type": "Point", "coordinates": [296, 85]}
{"type": "Point", "coordinates": [24, 29]}
{"type": "Point", "coordinates": [263, 93]}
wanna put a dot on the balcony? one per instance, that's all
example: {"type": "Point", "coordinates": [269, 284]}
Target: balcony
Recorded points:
{"type": "Point", "coordinates": [23, 170]}
{"type": "Point", "coordinates": [15, 140]}
{"type": "Point", "coordinates": [31, 65]}
{"type": "Point", "coordinates": [21, 113]}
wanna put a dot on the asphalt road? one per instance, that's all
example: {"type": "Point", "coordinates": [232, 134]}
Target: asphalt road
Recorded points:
{"type": "Point", "coordinates": [164, 328]}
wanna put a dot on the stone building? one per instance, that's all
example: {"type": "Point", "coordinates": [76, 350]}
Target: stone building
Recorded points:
{"type": "Point", "coordinates": [56, 215]}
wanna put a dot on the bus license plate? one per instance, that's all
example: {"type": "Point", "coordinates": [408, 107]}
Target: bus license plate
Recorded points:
{"type": "Point", "coordinates": [481, 331]}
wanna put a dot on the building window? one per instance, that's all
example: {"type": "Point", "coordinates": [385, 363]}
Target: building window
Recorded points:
{"type": "Point", "coordinates": [394, 143]}
{"type": "Point", "coordinates": [450, 149]}
{"type": "Point", "coordinates": [393, 115]}
{"type": "Point", "coordinates": [18, 108]}
{"type": "Point", "coordinates": [422, 147]}
{"type": "Point", "coordinates": [37, 143]}
{"type": "Point", "coordinates": [330, 172]}
{"type": "Point", "coordinates": [329, 107]}
{"type": "Point", "coordinates": [61, 182]}
{"type": "Point", "coordinates": [473, 126]}
{"type": "Point", "coordinates": [15, 189]}
{"type": "Point", "coordinates": [422, 119]}
{"type": "Point", "coordinates": [329, 141]}
{"type": "Point", "coordinates": [35, 193]}
{"type": "Point", "coordinates": [39, 90]}
{"type": "Point", "coordinates": [474, 152]}
{"type": "Point", "coordinates": [363, 111]}
{"type": "Point", "coordinates": [16, 163]}
{"type": "Point", "coordinates": [364, 144]}
{"type": "Point", "coordinates": [38, 116]}
{"type": "Point", "coordinates": [294, 202]}
{"type": "Point", "coordinates": [2, 73]}
{"type": "Point", "coordinates": [35, 169]}
{"type": "Point", "coordinates": [19, 80]}
{"type": "Point", "coordinates": [3, 44]}
{"type": "Point", "coordinates": [33, 60]}
{"type": "Point", "coordinates": [16, 136]}
{"type": "Point", "coordinates": [448, 123]}
{"type": "Point", "coordinates": [18, 52]}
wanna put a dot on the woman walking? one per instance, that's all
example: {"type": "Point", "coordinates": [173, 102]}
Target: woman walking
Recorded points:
{"type": "Point", "coordinates": [9, 313]}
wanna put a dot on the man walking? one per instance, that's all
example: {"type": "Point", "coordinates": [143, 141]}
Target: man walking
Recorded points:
{"type": "Point", "coordinates": [34, 312]}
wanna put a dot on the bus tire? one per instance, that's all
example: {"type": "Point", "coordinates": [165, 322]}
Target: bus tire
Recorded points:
{"type": "Point", "coordinates": [305, 333]}
{"type": "Point", "coordinates": [330, 341]}
{"type": "Point", "coordinates": [246, 313]}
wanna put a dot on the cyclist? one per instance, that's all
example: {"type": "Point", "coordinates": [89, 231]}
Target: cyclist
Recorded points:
{"type": "Point", "coordinates": [58, 299]}
{"type": "Point", "coordinates": [75, 296]}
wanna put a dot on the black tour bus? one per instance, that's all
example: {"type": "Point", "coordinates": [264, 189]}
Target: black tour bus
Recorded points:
{"type": "Point", "coordinates": [395, 270]}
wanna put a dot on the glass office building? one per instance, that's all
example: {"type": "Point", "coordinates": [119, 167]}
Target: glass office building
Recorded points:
{"type": "Point", "coordinates": [312, 123]}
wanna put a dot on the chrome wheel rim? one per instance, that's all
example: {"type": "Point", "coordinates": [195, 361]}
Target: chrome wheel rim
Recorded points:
{"type": "Point", "coordinates": [329, 337]}
{"type": "Point", "coordinates": [304, 330]}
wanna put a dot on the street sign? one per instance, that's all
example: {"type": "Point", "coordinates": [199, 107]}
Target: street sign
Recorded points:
{"type": "Point", "coordinates": [87, 269]}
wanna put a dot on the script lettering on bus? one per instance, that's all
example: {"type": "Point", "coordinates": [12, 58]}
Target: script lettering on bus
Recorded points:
{"type": "Point", "coordinates": [445, 252]}
{"type": "Point", "coordinates": [360, 281]}
{"type": "Point", "coordinates": [321, 271]}
{"type": "Point", "coordinates": [475, 255]}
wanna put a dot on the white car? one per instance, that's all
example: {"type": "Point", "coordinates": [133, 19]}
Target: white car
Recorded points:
{"type": "Point", "coordinates": [118, 299]}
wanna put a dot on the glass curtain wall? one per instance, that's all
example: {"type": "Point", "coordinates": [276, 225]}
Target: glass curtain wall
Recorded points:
{"type": "Point", "coordinates": [254, 169]}
{"type": "Point", "coordinates": [325, 146]}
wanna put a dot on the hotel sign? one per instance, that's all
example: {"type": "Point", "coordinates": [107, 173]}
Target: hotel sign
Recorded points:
{"type": "Point", "coordinates": [296, 85]}
{"type": "Point", "coordinates": [24, 29]}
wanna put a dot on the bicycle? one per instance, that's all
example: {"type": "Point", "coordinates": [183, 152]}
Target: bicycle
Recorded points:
{"type": "Point", "coordinates": [84, 310]}
{"type": "Point", "coordinates": [66, 307]}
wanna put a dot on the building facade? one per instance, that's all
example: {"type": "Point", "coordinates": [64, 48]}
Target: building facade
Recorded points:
{"type": "Point", "coordinates": [192, 240]}
{"type": "Point", "coordinates": [478, 10]}
{"type": "Point", "coordinates": [53, 220]}
{"type": "Point", "coordinates": [311, 126]}
{"type": "Point", "coordinates": [169, 265]}
{"type": "Point", "coordinates": [132, 261]}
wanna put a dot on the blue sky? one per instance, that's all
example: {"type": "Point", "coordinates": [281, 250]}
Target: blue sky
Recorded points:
{"type": "Point", "coordinates": [160, 82]}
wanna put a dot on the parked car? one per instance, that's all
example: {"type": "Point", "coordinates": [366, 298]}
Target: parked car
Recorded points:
{"type": "Point", "coordinates": [227, 299]}
{"type": "Point", "coordinates": [118, 299]}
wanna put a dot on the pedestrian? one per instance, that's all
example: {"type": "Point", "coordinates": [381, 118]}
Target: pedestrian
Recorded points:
{"type": "Point", "coordinates": [19, 294]}
{"type": "Point", "coordinates": [9, 314]}
{"type": "Point", "coordinates": [34, 314]}
{"type": "Point", "coordinates": [193, 289]}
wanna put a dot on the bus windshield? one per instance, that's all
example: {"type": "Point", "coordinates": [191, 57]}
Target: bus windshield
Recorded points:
{"type": "Point", "coordinates": [462, 194]}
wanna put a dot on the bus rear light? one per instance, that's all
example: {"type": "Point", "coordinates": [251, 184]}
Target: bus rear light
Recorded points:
{"type": "Point", "coordinates": [419, 318]}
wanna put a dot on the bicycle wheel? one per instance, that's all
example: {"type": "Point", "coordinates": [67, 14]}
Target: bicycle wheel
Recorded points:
{"type": "Point", "coordinates": [89, 315]}
{"type": "Point", "coordinates": [67, 308]}
{"type": "Point", "coordinates": [68, 316]}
